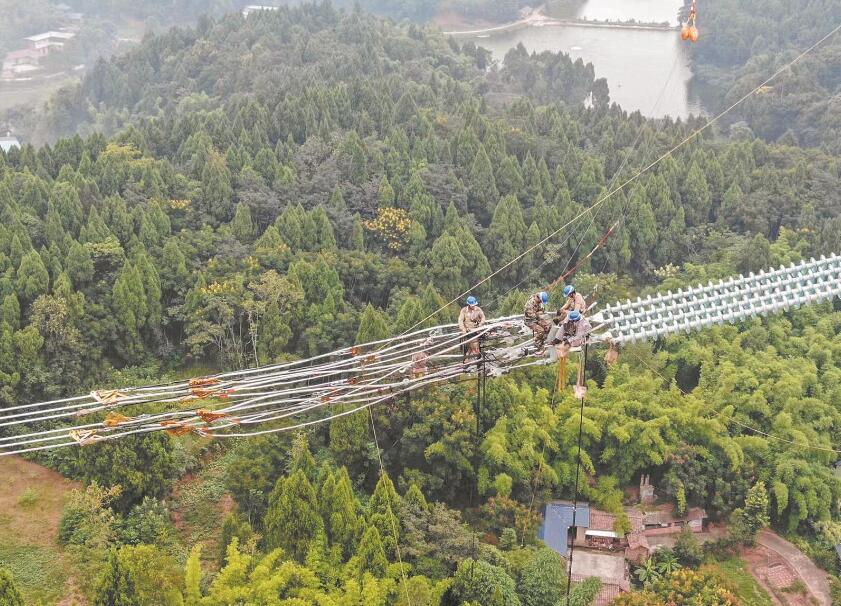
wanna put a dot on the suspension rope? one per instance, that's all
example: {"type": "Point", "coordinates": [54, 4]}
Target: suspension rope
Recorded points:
{"type": "Point", "coordinates": [296, 404]}
{"type": "Point", "coordinates": [583, 382]}
{"type": "Point", "coordinates": [392, 516]}
{"type": "Point", "coordinates": [691, 137]}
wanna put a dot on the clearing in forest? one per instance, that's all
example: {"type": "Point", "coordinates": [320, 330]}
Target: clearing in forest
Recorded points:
{"type": "Point", "coordinates": [31, 503]}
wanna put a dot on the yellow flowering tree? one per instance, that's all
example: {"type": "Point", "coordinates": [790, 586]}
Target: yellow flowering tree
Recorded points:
{"type": "Point", "coordinates": [391, 227]}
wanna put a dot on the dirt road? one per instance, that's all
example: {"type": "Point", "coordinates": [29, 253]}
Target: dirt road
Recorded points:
{"type": "Point", "coordinates": [814, 578]}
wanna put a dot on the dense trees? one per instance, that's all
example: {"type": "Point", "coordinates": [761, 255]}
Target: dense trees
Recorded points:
{"type": "Point", "coordinates": [744, 42]}
{"type": "Point", "coordinates": [340, 184]}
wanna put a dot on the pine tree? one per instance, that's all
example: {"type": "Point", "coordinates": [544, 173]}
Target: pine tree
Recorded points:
{"type": "Point", "coordinates": [696, 196]}
{"type": "Point", "coordinates": [414, 499]}
{"type": "Point", "coordinates": [271, 250]}
{"type": "Point", "coordinates": [324, 238]}
{"type": "Point", "coordinates": [386, 194]}
{"type": "Point", "coordinates": [116, 585]}
{"type": "Point", "coordinates": [342, 513]}
{"type": "Point", "coordinates": [482, 191]}
{"type": "Point", "coordinates": [300, 457]}
{"type": "Point", "coordinates": [337, 202]}
{"type": "Point", "coordinates": [11, 312]}
{"type": "Point", "coordinates": [382, 513]}
{"type": "Point", "coordinates": [33, 279]}
{"type": "Point", "coordinates": [275, 334]}
{"type": "Point", "coordinates": [373, 326]}
{"type": "Point", "coordinates": [349, 440]}
{"type": "Point", "coordinates": [357, 237]}
{"type": "Point", "coordinates": [446, 265]}
{"type": "Point", "coordinates": [370, 556]}
{"type": "Point", "coordinates": [508, 177]}
{"type": "Point", "coordinates": [506, 236]}
{"type": "Point", "coordinates": [290, 226]}
{"type": "Point", "coordinates": [642, 226]}
{"type": "Point", "coordinates": [216, 192]}
{"type": "Point", "coordinates": [174, 275]}
{"type": "Point", "coordinates": [130, 309]}
{"type": "Point", "coordinates": [151, 282]}
{"type": "Point", "coordinates": [192, 577]}
{"type": "Point", "coordinates": [9, 594]}
{"type": "Point", "coordinates": [242, 226]}
{"type": "Point", "coordinates": [64, 199]}
{"type": "Point", "coordinates": [409, 314]}
{"type": "Point", "coordinates": [79, 264]}
{"type": "Point", "coordinates": [292, 520]}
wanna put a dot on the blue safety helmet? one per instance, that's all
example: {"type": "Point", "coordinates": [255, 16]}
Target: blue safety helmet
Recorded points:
{"type": "Point", "coordinates": [471, 300]}
{"type": "Point", "coordinates": [544, 297]}
{"type": "Point", "coordinates": [574, 315]}
{"type": "Point", "coordinates": [568, 290]}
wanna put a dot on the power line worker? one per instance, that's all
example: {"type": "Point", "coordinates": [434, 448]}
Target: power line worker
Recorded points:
{"type": "Point", "coordinates": [574, 302]}
{"type": "Point", "coordinates": [470, 319]}
{"type": "Point", "coordinates": [573, 333]}
{"type": "Point", "coordinates": [534, 317]}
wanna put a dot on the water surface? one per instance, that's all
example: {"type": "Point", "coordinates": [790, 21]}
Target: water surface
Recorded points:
{"type": "Point", "coordinates": [638, 64]}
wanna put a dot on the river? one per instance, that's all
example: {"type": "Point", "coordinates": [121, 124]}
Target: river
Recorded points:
{"type": "Point", "coordinates": [638, 64]}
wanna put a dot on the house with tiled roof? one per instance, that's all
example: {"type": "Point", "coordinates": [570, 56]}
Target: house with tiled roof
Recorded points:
{"type": "Point", "coordinates": [664, 520]}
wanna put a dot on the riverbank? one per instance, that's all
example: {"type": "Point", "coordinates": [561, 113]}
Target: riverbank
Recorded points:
{"type": "Point", "coordinates": [538, 18]}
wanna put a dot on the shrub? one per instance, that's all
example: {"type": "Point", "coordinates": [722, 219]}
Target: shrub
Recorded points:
{"type": "Point", "coordinates": [28, 498]}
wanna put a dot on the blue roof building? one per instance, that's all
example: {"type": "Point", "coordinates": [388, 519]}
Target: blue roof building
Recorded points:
{"type": "Point", "coordinates": [557, 520]}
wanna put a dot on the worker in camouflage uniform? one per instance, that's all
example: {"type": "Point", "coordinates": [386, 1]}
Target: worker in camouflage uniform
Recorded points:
{"type": "Point", "coordinates": [574, 301]}
{"type": "Point", "coordinates": [573, 333]}
{"type": "Point", "coordinates": [535, 318]}
{"type": "Point", "coordinates": [470, 320]}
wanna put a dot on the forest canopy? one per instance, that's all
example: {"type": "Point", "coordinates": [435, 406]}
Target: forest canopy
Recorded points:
{"type": "Point", "coordinates": [250, 191]}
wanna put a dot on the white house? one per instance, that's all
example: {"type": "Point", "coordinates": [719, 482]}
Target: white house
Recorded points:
{"type": "Point", "coordinates": [48, 41]}
{"type": "Point", "coordinates": [256, 7]}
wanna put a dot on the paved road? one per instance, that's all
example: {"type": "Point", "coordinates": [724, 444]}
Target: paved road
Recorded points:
{"type": "Point", "coordinates": [814, 577]}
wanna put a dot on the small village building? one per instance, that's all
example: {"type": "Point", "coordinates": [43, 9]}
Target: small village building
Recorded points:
{"type": "Point", "coordinates": [20, 63]}
{"type": "Point", "coordinates": [664, 521]}
{"type": "Point", "coordinates": [24, 61]}
{"type": "Point", "coordinates": [558, 521]}
{"type": "Point", "coordinates": [48, 42]}
{"type": "Point", "coordinates": [251, 8]}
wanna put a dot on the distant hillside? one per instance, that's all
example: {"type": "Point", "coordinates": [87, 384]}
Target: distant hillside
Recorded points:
{"type": "Point", "coordinates": [744, 41]}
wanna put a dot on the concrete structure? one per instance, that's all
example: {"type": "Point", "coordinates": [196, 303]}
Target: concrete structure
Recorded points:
{"type": "Point", "coordinates": [251, 8]}
{"type": "Point", "coordinates": [49, 41]}
{"type": "Point", "coordinates": [595, 529]}
{"type": "Point", "coordinates": [838, 551]}
{"type": "Point", "coordinates": [21, 62]}
{"type": "Point", "coordinates": [664, 520]}
{"type": "Point", "coordinates": [638, 549]}
{"type": "Point", "coordinates": [646, 490]}
{"type": "Point", "coordinates": [27, 60]}
{"type": "Point", "coordinates": [7, 143]}
{"type": "Point", "coordinates": [609, 567]}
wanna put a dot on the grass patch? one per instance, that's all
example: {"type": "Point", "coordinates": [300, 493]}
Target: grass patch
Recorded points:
{"type": "Point", "coordinates": [736, 577]}
{"type": "Point", "coordinates": [40, 572]}
{"type": "Point", "coordinates": [197, 501]}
